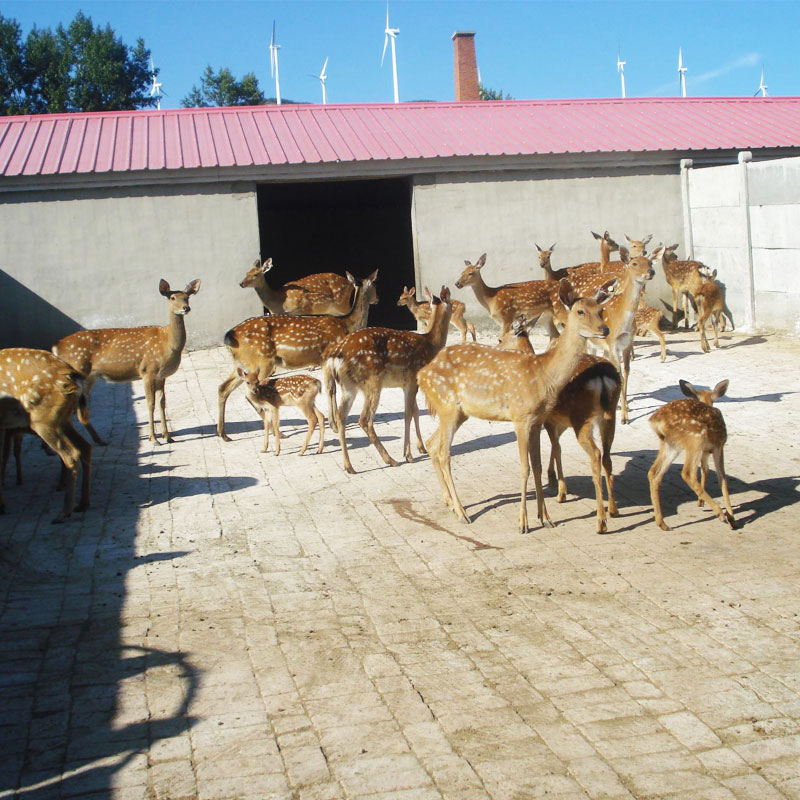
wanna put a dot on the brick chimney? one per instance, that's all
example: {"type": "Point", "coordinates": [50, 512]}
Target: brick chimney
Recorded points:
{"type": "Point", "coordinates": [465, 66]}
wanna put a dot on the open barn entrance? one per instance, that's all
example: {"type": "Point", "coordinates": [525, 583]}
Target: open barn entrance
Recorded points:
{"type": "Point", "coordinates": [335, 226]}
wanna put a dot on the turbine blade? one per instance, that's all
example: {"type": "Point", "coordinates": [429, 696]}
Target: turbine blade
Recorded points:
{"type": "Point", "coordinates": [322, 74]}
{"type": "Point", "coordinates": [385, 42]}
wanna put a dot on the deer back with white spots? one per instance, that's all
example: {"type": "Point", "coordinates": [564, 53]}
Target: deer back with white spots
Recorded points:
{"type": "Point", "coordinates": [422, 312]}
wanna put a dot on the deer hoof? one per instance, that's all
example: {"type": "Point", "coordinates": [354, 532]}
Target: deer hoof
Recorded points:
{"type": "Point", "coordinates": [730, 520]}
{"type": "Point", "coordinates": [663, 525]}
{"type": "Point", "coordinates": [81, 507]}
{"type": "Point", "coordinates": [547, 523]}
{"type": "Point", "coordinates": [224, 437]}
{"type": "Point", "coordinates": [349, 469]}
{"type": "Point", "coordinates": [602, 526]}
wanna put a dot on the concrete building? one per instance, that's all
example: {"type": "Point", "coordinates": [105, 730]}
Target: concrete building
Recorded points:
{"type": "Point", "coordinates": [96, 208]}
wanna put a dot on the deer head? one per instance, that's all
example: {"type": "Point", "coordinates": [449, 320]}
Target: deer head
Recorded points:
{"type": "Point", "coordinates": [471, 273]}
{"type": "Point", "coordinates": [179, 301]}
{"type": "Point", "coordinates": [705, 396]}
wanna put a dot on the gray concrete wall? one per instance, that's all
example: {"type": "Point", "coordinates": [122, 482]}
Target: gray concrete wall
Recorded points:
{"type": "Point", "coordinates": [746, 222]}
{"type": "Point", "coordinates": [458, 217]}
{"type": "Point", "coordinates": [93, 258]}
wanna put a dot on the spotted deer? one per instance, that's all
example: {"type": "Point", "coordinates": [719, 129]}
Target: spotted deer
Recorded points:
{"type": "Point", "coordinates": [320, 293]}
{"type": "Point", "coordinates": [544, 262]}
{"type": "Point", "coordinates": [259, 344]}
{"type": "Point", "coordinates": [711, 305]}
{"type": "Point", "coordinates": [648, 320]}
{"type": "Point", "coordinates": [151, 353]}
{"type": "Point", "coordinates": [638, 247]}
{"type": "Point", "coordinates": [684, 279]}
{"type": "Point", "coordinates": [530, 299]}
{"type": "Point", "coordinates": [484, 382]}
{"type": "Point", "coordinates": [42, 392]}
{"type": "Point", "coordinates": [588, 405]}
{"type": "Point", "coordinates": [268, 396]}
{"type": "Point", "coordinates": [374, 359]}
{"type": "Point", "coordinates": [694, 426]}
{"type": "Point", "coordinates": [422, 312]}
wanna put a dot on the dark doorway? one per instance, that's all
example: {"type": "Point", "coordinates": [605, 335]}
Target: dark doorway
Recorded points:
{"type": "Point", "coordinates": [333, 226]}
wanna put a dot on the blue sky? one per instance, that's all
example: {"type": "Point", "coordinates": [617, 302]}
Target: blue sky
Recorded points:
{"type": "Point", "coordinates": [526, 48]}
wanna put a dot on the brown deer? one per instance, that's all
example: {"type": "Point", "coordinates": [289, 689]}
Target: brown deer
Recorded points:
{"type": "Point", "coordinates": [638, 247]}
{"type": "Point", "coordinates": [151, 353]}
{"type": "Point", "coordinates": [530, 299]}
{"type": "Point", "coordinates": [422, 312]}
{"type": "Point", "coordinates": [320, 293]}
{"type": "Point", "coordinates": [260, 343]}
{"type": "Point", "coordinates": [270, 395]}
{"type": "Point", "coordinates": [710, 299]}
{"type": "Point", "coordinates": [12, 440]}
{"type": "Point", "coordinates": [684, 279]}
{"type": "Point", "coordinates": [42, 392]}
{"type": "Point", "coordinates": [587, 404]}
{"type": "Point", "coordinates": [484, 382]}
{"type": "Point", "coordinates": [374, 359]}
{"type": "Point", "coordinates": [694, 426]}
{"type": "Point", "coordinates": [648, 320]}
{"type": "Point", "coordinates": [544, 262]}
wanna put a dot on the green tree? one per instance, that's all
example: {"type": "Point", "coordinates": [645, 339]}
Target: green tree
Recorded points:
{"type": "Point", "coordinates": [12, 68]}
{"type": "Point", "coordinates": [222, 89]}
{"type": "Point", "coordinates": [492, 94]}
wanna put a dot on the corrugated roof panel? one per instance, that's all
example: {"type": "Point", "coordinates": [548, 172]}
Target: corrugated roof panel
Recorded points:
{"type": "Point", "coordinates": [295, 134]}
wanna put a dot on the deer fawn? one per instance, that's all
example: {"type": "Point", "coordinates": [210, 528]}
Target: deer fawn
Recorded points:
{"type": "Point", "coordinates": [648, 320]}
{"type": "Point", "coordinates": [299, 391]}
{"type": "Point", "coordinates": [151, 353]}
{"type": "Point", "coordinates": [260, 343]}
{"type": "Point", "coordinates": [484, 382]}
{"type": "Point", "coordinates": [422, 312]}
{"type": "Point", "coordinates": [373, 359]}
{"type": "Point", "coordinates": [691, 425]}
{"type": "Point", "coordinates": [530, 299]}
{"type": "Point", "coordinates": [321, 293]}
{"type": "Point", "coordinates": [587, 404]}
{"type": "Point", "coordinates": [710, 299]}
{"type": "Point", "coordinates": [42, 392]}
{"type": "Point", "coordinates": [684, 279]}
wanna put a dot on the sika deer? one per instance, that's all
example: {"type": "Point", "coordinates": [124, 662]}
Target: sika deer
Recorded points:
{"type": "Point", "coordinates": [638, 247]}
{"type": "Point", "coordinates": [151, 353]}
{"type": "Point", "coordinates": [320, 293]}
{"type": "Point", "coordinates": [648, 320]}
{"type": "Point", "coordinates": [422, 312]}
{"type": "Point", "coordinates": [299, 391]}
{"type": "Point", "coordinates": [40, 391]}
{"type": "Point", "coordinates": [547, 267]}
{"type": "Point", "coordinates": [260, 343]}
{"type": "Point", "coordinates": [475, 380]}
{"type": "Point", "coordinates": [373, 359]}
{"type": "Point", "coordinates": [684, 279]}
{"type": "Point", "coordinates": [698, 429]}
{"type": "Point", "coordinates": [710, 299]}
{"type": "Point", "coordinates": [12, 440]}
{"type": "Point", "coordinates": [587, 404]}
{"type": "Point", "coordinates": [530, 298]}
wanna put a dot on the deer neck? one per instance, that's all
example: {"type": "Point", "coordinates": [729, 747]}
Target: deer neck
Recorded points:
{"type": "Point", "coordinates": [605, 254]}
{"type": "Point", "coordinates": [176, 333]}
{"type": "Point", "coordinates": [273, 299]}
{"type": "Point", "coordinates": [359, 313]}
{"type": "Point", "coordinates": [483, 294]}
{"type": "Point", "coordinates": [436, 335]}
{"type": "Point", "coordinates": [556, 366]}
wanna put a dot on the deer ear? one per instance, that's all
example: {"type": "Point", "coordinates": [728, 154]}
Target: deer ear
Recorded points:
{"type": "Point", "coordinates": [445, 294]}
{"type": "Point", "coordinates": [538, 248]}
{"type": "Point", "coordinates": [481, 261]}
{"type": "Point", "coordinates": [428, 294]}
{"type": "Point", "coordinates": [552, 247]}
{"type": "Point", "coordinates": [647, 238]}
{"type": "Point", "coordinates": [350, 277]}
{"type": "Point", "coordinates": [566, 294]}
{"type": "Point", "coordinates": [605, 292]}
{"type": "Point", "coordinates": [688, 389]}
{"type": "Point", "coordinates": [657, 253]}
{"type": "Point", "coordinates": [720, 389]}
{"type": "Point", "coordinates": [267, 265]}
{"type": "Point", "coordinates": [629, 238]}
{"type": "Point", "coordinates": [412, 291]}
{"type": "Point", "coordinates": [714, 274]}
{"type": "Point", "coordinates": [163, 287]}
{"type": "Point", "coordinates": [673, 247]}
{"type": "Point", "coordinates": [374, 276]}
{"type": "Point", "coordinates": [598, 236]}
{"type": "Point", "coordinates": [193, 287]}
{"type": "Point", "coordinates": [257, 263]}
{"type": "Point", "coordinates": [241, 373]}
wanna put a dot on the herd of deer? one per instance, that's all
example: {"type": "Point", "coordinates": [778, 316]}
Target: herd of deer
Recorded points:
{"type": "Point", "coordinates": [321, 321]}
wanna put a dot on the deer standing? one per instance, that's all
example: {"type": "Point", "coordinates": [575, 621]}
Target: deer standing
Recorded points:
{"type": "Point", "coordinates": [648, 320]}
{"type": "Point", "coordinates": [710, 299]}
{"type": "Point", "coordinates": [320, 293]}
{"type": "Point", "coordinates": [422, 312]}
{"type": "Point", "coordinates": [42, 392]}
{"type": "Point", "coordinates": [694, 426]}
{"type": "Point", "coordinates": [270, 395]}
{"type": "Point", "coordinates": [587, 404]}
{"type": "Point", "coordinates": [484, 382]}
{"type": "Point", "coordinates": [12, 440]}
{"type": "Point", "coordinates": [530, 299]}
{"type": "Point", "coordinates": [684, 279]}
{"type": "Point", "coordinates": [638, 247]}
{"type": "Point", "coordinates": [544, 262]}
{"type": "Point", "coordinates": [120, 355]}
{"type": "Point", "coordinates": [260, 343]}
{"type": "Point", "coordinates": [373, 359]}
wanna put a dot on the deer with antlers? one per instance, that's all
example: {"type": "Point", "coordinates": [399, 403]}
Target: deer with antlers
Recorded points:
{"type": "Point", "coordinates": [268, 396]}
{"type": "Point", "coordinates": [259, 344]}
{"type": "Point", "coordinates": [320, 293]}
{"type": "Point", "coordinates": [588, 405]}
{"type": "Point", "coordinates": [374, 359]}
{"type": "Point", "coordinates": [120, 355]}
{"type": "Point", "coordinates": [422, 312]}
{"type": "Point", "coordinates": [42, 392]}
{"type": "Point", "coordinates": [530, 299]}
{"type": "Point", "coordinates": [711, 305]}
{"type": "Point", "coordinates": [696, 427]}
{"type": "Point", "coordinates": [484, 382]}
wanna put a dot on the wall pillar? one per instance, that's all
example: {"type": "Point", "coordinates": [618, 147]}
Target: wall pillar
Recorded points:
{"type": "Point", "coordinates": [745, 157]}
{"type": "Point", "coordinates": [688, 238]}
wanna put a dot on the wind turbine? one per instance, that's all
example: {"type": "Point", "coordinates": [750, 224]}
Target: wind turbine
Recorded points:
{"type": "Point", "coordinates": [681, 73]}
{"type": "Point", "coordinates": [762, 87]}
{"type": "Point", "coordinates": [322, 77]}
{"type": "Point", "coordinates": [273, 64]}
{"type": "Point", "coordinates": [621, 70]}
{"type": "Point", "coordinates": [155, 86]}
{"type": "Point", "coordinates": [391, 33]}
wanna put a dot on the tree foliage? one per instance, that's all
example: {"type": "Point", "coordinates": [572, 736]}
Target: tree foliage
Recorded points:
{"type": "Point", "coordinates": [492, 94]}
{"type": "Point", "coordinates": [78, 68]}
{"type": "Point", "coordinates": [222, 89]}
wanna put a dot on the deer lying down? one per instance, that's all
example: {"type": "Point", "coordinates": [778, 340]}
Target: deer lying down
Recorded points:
{"type": "Point", "coordinates": [691, 425]}
{"type": "Point", "coordinates": [268, 396]}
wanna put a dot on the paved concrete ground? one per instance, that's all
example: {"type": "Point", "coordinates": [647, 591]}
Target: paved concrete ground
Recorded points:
{"type": "Point", "coordinates": [227, 624]}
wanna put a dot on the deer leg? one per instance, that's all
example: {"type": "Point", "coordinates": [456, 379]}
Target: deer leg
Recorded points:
{"type": "Point", "coordinates": [689, 474]}
{"type": "Point", "coordinates": [555, 471]}
{"type": "Point", "coordinates": [624, 369]}
{"type": "Point", "coordinates": [411, 412]}
{"type": "Point", "coordinates": [345, 402]}
{"type": "Point", "coordinates": [308, 410]}
{"type": "Point", "coordinates": [719, 465]}
{"type": "Point", "coordinates": [715, 326]}
{"type": "Point", "coordinates": [329, 388]}
{"type": "Point", "coordinates": [608, 426]}
{"type": "Point", "coordinates": [460, 325]}
{"type": "Point", "coordinates": [150, 396]}
{"type": "Point", "coordinates": [6, 439]}
{"type": "Point", "coordinates": [87, 388]}
{"type": "Point", "coordinates": [69, 455]}
{"type": "Point", "coordinates": [85, 451]}
{"type": "Point", "coordinates": [703, 475]}
{"type": "Point", "coordinates": [448, 425]}
{"type": "Point", "coordinates": [471, 329]}
{"type": "Point", "coordinates": [276, 427]}
{"type": "Point", "coordinates": [701, 324]}
{"type": "Point", "coordinates": [675, 300]}
{"type": "Point", "coordinates": [372, 395]}
{"type": "Point", "coordinates": [225, 388]}
{"type": "Point", "coordinates": [666, 455]}
{"type": "Point", "coordinates": [321, 422]}
{"type": "Point", "coordinates": [585, 440]}
{"type": "Point", "coordinates": [163, 405]}
{"type": "Point", "coordinates": [535, 455]}
{"type": "Point", "coordinates": [662, 340]}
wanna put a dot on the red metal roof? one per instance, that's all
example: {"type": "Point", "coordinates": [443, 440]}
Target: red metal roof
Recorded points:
{"type": "Point", "coordinates": [129, 141]}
